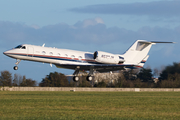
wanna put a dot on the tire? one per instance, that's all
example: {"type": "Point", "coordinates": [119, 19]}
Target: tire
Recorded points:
{"type": "Point", "coordinates": [89, 78]}
{"type": "Point", "coordinates": [75, 78]}
{"type": "Point", "coordinates": [15, 67]}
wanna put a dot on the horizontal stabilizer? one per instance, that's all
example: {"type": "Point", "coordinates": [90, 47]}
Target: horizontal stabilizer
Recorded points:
{"type": "Point", "coordinates": [160, 42]}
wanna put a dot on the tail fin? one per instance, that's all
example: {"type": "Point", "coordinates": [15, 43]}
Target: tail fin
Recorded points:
{"type": "Point", "coordinates": [138, 53]}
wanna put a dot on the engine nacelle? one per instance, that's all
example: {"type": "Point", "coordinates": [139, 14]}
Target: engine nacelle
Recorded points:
{"type": "Point", "coordinates": [108, 58]}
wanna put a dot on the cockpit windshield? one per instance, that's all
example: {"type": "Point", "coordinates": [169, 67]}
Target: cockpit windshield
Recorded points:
{"type": "Point", "coordinates": [20, 47]}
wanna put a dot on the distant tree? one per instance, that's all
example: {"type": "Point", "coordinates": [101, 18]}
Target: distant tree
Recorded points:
{"type": "Point", "coordinates": [23, 82]}
{"type": "Point", "coordinates": [127, 75]}
{"type": "Point", "coordinates": [130, 74]}
{"type": "Point", "coordinates": [45, 82]}
{"type": "Point", "coordinates": [17, 80]}
{"type": "Point", "coordinates": [28, 82]}
{"type": "Point", "coordinates": [83, 82]}
{"type": "Point", "coordinates": [173, 81]}
{"type": "Point", "coordinates": [31, 83]}
{"type": "Point", "coordinates": [123, 82]}
{"type": "Point", "coordinates": [170, 70]}
{"type": "Point", "coordinates": [156, 72]}
{"type": "Point", "coordinates": [145, 74]}
{"type": "Point", "coordinates": [6, 78]}
{"type": "Point", "coordinates": [72, 83]}
{"type": "Point", "coordinates": [100, 84]}
{"type": "Point", "coordinates": [55, 80]}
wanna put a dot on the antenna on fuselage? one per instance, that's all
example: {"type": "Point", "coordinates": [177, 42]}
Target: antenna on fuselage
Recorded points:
{"type": "Point", "coordinates": [43, 45]}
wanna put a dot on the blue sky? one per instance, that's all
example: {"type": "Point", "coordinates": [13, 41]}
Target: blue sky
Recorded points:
{"type": "Point", "coordinates": [110, 26]}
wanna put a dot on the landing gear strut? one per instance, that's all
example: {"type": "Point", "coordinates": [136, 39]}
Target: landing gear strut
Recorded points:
{"type": "Point", "coordinates": [90, 77]}
{"type": "Point", "coordinates": [17, 62]}
{"type": "Point", "coordinates": [76, 77]}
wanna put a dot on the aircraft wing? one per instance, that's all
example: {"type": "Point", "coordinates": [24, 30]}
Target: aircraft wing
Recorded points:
{"type": "Point", "coordinates": [111, 67]}
{"type": "Point", "coordinates": [99, 68]}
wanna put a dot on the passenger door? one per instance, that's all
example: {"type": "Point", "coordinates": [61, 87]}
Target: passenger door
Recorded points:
{"type": "Point", "coordinates": [30, 52]}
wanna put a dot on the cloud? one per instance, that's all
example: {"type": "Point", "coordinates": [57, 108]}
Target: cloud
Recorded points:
{"type": "Point", "coordinates": [89, 31]}
{"type": "Point", "coordinates": [35, 26]}
{"type": "Point", "coordinates": [89, 22]}
{"type": "Point", "coordinates": [155, 8]}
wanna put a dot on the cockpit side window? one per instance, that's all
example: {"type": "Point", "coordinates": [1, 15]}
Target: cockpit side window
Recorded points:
{"type": "Point", "coordinates": [23, 47]}
{"type": "Point", "coordinates": [121, 58]}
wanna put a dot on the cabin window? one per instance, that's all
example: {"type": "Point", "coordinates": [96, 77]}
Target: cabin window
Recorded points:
{"type": "Point", "coordinates": [72, 56]}
{"type": "Point", "coordinates": [51, 53]}
{"type": "Point", "coordinates": [66, 55]}
{"type": "Point", "coordinates": [43, 52]}
{"type": "Point", "coordinates": [59, 54]}
{"type": "Point", "coordinates": [80, 57]}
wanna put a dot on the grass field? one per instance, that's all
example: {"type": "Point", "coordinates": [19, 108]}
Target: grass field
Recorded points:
{"type": "Point", "coordinates": [89, 105]}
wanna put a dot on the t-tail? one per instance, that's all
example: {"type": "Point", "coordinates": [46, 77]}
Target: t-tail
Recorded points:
{"type": "Point", "coordinates": [137, 54]}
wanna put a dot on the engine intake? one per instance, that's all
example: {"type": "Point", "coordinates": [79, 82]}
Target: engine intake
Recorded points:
{"type": "Point", "coordinates": [95, 54]}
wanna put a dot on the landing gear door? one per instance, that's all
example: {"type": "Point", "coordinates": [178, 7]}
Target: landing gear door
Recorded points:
{"type": "Point", "coordinates": [30, 52]}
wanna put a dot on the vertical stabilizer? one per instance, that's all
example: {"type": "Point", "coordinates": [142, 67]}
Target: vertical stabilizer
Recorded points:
{"type": "Point", "coordinates": [138, 53]}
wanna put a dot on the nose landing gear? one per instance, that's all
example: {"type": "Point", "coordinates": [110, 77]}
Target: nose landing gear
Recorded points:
{"type": "Point", "coordinates": [17, 62]}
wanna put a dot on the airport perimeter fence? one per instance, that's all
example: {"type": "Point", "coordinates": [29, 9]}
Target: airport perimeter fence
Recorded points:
{"type": "Point", "coordinates": [89, 89]}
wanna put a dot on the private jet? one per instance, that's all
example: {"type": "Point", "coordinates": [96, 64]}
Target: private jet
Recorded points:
{"type": "Point", "coordinates": [99, 61]}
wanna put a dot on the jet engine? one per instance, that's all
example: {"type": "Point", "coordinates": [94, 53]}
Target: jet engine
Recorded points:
{"type": "Point", "coordinates": [108, 58]}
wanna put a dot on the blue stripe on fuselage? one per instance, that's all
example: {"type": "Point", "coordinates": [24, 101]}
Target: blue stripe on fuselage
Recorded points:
{"type": "Point", "coordinates": [57, 58]}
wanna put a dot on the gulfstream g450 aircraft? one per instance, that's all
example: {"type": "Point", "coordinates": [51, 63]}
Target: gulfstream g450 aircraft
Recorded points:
{"type": "Point", "coordinates": [134, 57]}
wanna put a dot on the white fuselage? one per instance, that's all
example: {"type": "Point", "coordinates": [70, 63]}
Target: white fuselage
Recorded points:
{"type": "Point", "coordinates": [134, 57]}
{"type": "Point", "coordinates": [51, 55]}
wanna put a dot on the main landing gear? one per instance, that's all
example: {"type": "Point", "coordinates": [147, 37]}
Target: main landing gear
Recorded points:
{"type": "Point", "coordinates": [90, 77]}
{"type": "Point", "coordinates": [17, 62]}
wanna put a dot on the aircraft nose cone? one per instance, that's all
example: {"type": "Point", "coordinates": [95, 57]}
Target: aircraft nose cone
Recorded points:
{"type": "Point", "coordinates": [5, 53]}
{"type": "Point", "coordinates": [9, 53]}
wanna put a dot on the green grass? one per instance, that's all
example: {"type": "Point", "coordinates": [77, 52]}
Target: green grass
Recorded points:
{"type": "Point", "coordinates": [90, 105]}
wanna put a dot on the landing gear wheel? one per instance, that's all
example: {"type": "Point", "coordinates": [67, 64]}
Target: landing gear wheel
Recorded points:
{"type": "Point", "coordinates": [89, 78]}
{"type": "Point", "coordinates": [15, 67]}
{"type": "Point", "coordinates": [76, 78]}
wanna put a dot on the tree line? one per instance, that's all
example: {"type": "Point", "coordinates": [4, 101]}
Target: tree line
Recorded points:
{"type": "Point", "coordinates": [169, 77]}
{"type": "Point", "coordinates": [6, 79]}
